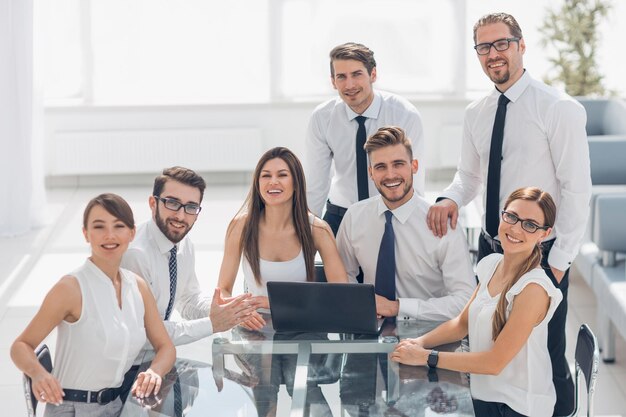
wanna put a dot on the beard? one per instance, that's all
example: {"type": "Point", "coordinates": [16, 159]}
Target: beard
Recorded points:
{"type": "Point", "coordinates": [406, 189]}
{"type": "Point", "coordinates": [498, 78]}
{"type": "Point", "coordinates": [173, 236]}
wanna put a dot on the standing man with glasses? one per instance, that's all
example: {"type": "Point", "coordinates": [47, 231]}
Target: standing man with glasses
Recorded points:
{"type": "Point", "coordinates": [338, 129]}
{"type": "Point", "coordinates": [164, 256]}
{"type": "Point", "coordinates": [523, 133]}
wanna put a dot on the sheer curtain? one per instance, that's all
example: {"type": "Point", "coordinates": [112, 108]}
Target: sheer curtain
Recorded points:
{"type": "Point", "coordinates": [22, 192]}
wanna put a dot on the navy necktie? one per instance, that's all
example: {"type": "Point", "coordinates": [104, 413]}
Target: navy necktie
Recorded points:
{"type": "Point", "coordinates": [361, 160]}
{"type": "Point", "coordinates": [172, 267]}
{"type": "Point", "coordinates": [492, 215]}
{"type": "Point", "coordinates": [386, 266]}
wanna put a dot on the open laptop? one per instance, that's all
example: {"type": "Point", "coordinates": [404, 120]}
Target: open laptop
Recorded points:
{"type": "Point", "coordinates": [323, 307]}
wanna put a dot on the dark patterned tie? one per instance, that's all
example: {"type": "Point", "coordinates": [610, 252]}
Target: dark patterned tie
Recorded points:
{"type": "Point", "coordinates": [386, 266]}
{"type": "Point", "coordinates": [492, 215]}
{"type": "Point", "coordinates": [172, 267]}
{"type": "Point", "coordinates": [178, 399]}
{"type": "Point", "coordinates": [361, 159]}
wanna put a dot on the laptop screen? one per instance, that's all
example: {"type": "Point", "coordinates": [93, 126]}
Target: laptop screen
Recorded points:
{"type": "Point", "coordinates": [323, 307]}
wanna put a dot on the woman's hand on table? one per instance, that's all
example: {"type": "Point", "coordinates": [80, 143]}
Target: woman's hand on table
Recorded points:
{"type": "Point", "coordinates": [254, 322]}
{"type": "Point", "coordinates": [146, 384]}
{"type": "Point", "coordinates": [410, 352]}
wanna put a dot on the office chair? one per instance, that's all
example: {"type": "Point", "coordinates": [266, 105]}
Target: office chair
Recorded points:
{"type": "Point", "coordinates": [587, 358]}
{"type": "Point", "coordinates": [43, 354]}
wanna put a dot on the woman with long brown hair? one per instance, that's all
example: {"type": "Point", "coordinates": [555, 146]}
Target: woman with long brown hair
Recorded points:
{"type": "Point", "coordinates": [506, 319]}
{"type": "Point", "coordinates": [276, 233]}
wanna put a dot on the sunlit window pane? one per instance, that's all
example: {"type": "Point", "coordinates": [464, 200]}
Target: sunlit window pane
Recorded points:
{"type": "Point", "coordinates": [415, 52]}
{"type": "Point", "coordinates": [171, 52]}
{"type": "Point", "coordinates": [59, 54]}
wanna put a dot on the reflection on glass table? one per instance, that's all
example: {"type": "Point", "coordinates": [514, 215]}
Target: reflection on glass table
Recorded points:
{"type": "Point", "coordinates": [247, 374]}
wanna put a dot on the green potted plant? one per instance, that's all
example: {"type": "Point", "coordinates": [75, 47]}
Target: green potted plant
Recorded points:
{"type": "Point", "coordinates": [572, 30]}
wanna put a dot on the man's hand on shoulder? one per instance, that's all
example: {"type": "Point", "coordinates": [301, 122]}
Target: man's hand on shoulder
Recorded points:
{"type": "Point", "coordinates": [438, 215]}
{"type": "Point", "coordinates": [228, 313]}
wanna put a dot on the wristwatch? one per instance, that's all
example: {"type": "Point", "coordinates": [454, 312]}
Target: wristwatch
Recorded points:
{"type": "Point", "coordinates": [433, 359]}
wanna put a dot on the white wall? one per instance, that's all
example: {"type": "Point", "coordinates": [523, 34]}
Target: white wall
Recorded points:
{"type": "Point", "coordinates": [278, 124]}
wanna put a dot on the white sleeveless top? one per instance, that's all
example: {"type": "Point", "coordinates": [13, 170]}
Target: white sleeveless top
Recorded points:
{"type": "Point", "coordinates": [293, 270]}
{"type": "Point", "coordinates": [525, 384]}
{"type": "Point", "coordinates": [96, 351]}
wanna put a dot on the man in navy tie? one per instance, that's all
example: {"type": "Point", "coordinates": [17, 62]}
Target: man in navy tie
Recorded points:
{"type": "Point", "coordinates": [164, 257]}
{"type": "Point", "coordinates": [338, 129]}
{"type": "Point", "coordinates": [416, 275]}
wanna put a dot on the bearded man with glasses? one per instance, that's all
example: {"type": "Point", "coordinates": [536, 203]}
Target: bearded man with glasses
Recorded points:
{"type": "Point", "coordinates": [523, 133]}
{"type": "Point", "coordinates": [164, 257]}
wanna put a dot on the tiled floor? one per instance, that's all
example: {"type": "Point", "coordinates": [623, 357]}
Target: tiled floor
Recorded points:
{"type": "Point", "coordinates": [32, 263]}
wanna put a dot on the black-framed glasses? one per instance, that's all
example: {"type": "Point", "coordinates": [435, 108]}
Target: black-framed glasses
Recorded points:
{"type": "Point", "coordinates": [528, 225]}
{"type": "Point", "coordinates": [500, 45]}
{"type": "Point", "coordinates": [175, 205]}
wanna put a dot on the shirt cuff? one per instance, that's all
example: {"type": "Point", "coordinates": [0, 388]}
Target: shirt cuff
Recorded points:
{"type": "Point", "coordinates": [451, 196]}
{"type": "Point", "coordinates": [207, 327]}
{"type": "Point", "coordinates": [408, 309]}
{"type": "Point", "coordinates": [560, 259]}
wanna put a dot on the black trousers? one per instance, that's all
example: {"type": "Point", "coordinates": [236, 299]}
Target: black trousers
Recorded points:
{"type": "Point", "coordinates": [333, 216]}
{"type": "Point", "coordinates": [561, 376]}
{"type": "Point", "coordinates": [490, 409]}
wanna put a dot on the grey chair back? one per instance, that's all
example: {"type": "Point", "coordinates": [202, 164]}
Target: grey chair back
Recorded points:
{"type": "Point", "coordinates": [45, 359]}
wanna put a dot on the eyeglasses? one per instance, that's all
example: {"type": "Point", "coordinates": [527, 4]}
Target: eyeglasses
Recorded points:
{"type": "Point", "coordinates": [500, 45]}
{"type": "Point", "coordinates": [527, 225]}
{"type": "Point", "coordinates": [175, 205]}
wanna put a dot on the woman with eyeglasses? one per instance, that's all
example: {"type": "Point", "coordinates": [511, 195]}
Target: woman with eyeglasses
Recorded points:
{"type": "Point", "coordinates": [103, 314]}
{"type": "Point", "coordinates": [506, 319]}
{"type": "Point", "coordinates": [276, 233]}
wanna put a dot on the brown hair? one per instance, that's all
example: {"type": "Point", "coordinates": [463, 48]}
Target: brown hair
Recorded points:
{"type": "Point", "coordinates": [114, 205]}
{"type": "Point", "coordinates": [183, 175]}
{"type": "Point", "coordinates": [354, 51]}
{"type": "Point", "coordinates": [388, 136]}
{"type": "Point", "coordinates": [505, 18]}
{"type": "Point", "coordinates": [546, 204]}
{"type": "Point", "coordinates": [254, 206]}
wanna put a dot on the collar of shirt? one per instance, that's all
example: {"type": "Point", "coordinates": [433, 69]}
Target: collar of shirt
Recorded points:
{"type": "Point", "coordinates": [516, 90]}
{"type": "Point", "coordinates": [402, 213]}
{"type": "Point", "coordinates": [162, 242]}
{"type": "Point", "coordinates": [371, 112]}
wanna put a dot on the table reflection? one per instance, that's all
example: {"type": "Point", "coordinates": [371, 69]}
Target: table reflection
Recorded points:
{"type": "Point", "coordinates": [306, 374]}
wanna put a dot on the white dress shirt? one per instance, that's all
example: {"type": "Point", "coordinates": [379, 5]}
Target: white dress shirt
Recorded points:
{"type": "Point", "coordinates": [434, 276]}
{"type": "Point", "coordinates": [148, 256]}
{"type": "Point", "coordinates": [95, 351]}
{"type": "Point", "coordinates": [545, 146]}
{"type": "Point", "coordinates": [525, 384]}
{"type": "Point", "coordinates": [331, 136]}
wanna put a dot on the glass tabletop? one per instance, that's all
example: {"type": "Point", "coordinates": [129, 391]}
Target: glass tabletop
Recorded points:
{"type": "Point", "coordinates": [244, 374]}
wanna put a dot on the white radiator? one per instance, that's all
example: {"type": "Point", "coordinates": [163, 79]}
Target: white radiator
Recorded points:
{"type": "Point", "coordinates": [90, 152]}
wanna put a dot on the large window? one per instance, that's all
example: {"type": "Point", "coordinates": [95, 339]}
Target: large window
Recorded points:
{"type": "Point", "coordinates": [127, 52]}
